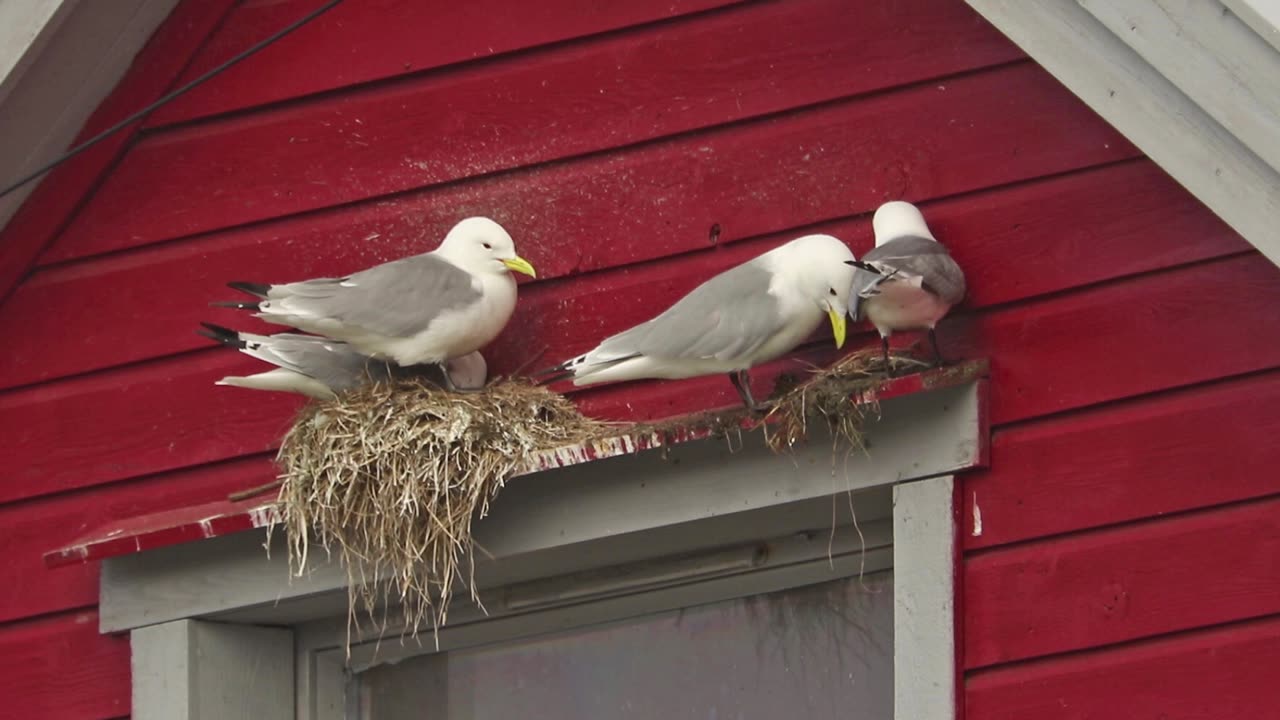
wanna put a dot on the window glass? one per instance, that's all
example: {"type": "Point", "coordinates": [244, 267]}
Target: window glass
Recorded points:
{"type": "Point", "coordinates": [818, 651]}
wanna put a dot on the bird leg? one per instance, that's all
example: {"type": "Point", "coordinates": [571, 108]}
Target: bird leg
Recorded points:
{"type": "Point", "coordinates": [933, 340]}
{"type": "Point", "coordinates": [884, 350]}
{"type": "Point", "coordinates": [742, 383]}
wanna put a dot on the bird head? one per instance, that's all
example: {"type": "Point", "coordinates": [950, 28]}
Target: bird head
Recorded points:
{"type": "Point", "coordinates": [479, 244]}
{"type": "Point", "coordinates": [816, 264]}
{"type": "Point", "coordinates": [898, 219]}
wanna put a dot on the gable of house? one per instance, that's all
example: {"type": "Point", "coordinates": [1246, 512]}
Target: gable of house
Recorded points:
{"type": "Point", "coordinates": [633, 149]}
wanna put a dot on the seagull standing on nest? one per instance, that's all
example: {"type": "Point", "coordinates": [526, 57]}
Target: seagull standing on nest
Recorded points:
{"type": "Point", "coordinates": [426, 308]}
{"type": "Point", "coordinates": [909, 281]}
{"type": "Point", "coordinates": [320, 368]}
{"type": "Point", "coordinates": [745, 316]}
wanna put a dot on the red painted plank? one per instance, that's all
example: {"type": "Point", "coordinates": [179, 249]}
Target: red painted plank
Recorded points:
{"type": "Point", "coordinates": [1189, 449]}
{"type": "Point", "coordinates": [167, 414]}
{"type": "Point", "coordinates": [671, 195]}
{"type": "Point", "coordinates": [1043, 352]}
{"type": "Point", "coordinates": [31, 528]}
{"type": "Point", "coordinates": [619, 90]}
{"type": "Point", "coordinates": [1108, 586]}
{"type": "Point", "coordinates": [182, 524]}
{"type": "Point", "coordinates": [1127, 338]}
{"type": "Point", "coordinates": [1222, 673]}
{"type": "Point", "coordinates": [47, 209]}
{"type": "Point", "coordinates": [132, 422]}
{"type": "Point", "coordinates": [60, 667]}
{"type": "Point", "coordinates": [358, 42]}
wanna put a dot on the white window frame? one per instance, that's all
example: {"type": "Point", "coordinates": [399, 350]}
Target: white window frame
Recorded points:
{"type": "Point", "coordinates": [219, 630]}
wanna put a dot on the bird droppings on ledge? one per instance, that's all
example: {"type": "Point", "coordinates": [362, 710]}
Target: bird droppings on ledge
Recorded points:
{"type": "Point", "coordinates": [391, 476]}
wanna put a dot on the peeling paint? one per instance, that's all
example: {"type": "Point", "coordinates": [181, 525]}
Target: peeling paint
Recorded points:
{"type": "Point", "coordinates": [977, 517]}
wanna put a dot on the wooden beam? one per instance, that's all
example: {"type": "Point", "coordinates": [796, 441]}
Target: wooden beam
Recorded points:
{"type": "Point", "coordinates": [192, 670]}
{"type": "Point", "coordinates": [25, 30]}
{"type": "Point", "coordinates": [1261, 15]}
{"type": "Point", "coordinates": [1148, 109]}
{"type": "Point", "coordinates": [1211, 56]}
{"type": "Point", "coordinates": [545, 524]}
{"type": "Point", "coordinates": [82, 58]}
{"type": "Point", "coordinates": [924, 619]}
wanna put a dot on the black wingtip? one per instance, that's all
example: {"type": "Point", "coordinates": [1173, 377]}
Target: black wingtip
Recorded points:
{"type": "Point", "coordinates": [862, 266]}
{"type": "Point", "coordinates": [235, 305]}
{"type": "Point", "coordinates": [258, 290]}
{"type": "Point", "coordinates": [553, 374]}
{"type": "Point", "coordinates": [219, 334]}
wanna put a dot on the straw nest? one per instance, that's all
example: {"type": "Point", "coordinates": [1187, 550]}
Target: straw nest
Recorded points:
{"type": "Point", "coordinates": [390, 476]}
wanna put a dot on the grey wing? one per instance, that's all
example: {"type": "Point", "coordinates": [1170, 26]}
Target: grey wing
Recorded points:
{"type": "Point", "coordinates": [729, 316]}
{"type": "Point", "coordinates": [396, 299]}
{"type": "Point", "coordinates": [923, 258]}
{"type": "Point", "coordinates": [336, 364]}
{"type": "Point", "coordinates": [865, 284]}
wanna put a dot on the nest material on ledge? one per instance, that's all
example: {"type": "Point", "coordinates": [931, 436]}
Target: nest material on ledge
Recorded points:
{"type": "Point", "coordinates": [392, 475]}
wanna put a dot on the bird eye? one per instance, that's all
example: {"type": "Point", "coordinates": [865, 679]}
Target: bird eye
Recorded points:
{"type": "Point", "coordinates": [487, 246]}
{"type": "Point", "coordinates": [833, 292]}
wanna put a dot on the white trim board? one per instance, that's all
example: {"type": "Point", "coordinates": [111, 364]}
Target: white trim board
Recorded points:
{"type": "Point", "coordinates": [575, 518]}
{"type": "Point", "coordinates": [1147, 108]}
{"type": "Point", "coordinates": [70, 62]}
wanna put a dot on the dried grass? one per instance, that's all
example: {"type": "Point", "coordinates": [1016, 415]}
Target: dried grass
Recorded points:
{"type": "Point", "coordinates": [391, 476]}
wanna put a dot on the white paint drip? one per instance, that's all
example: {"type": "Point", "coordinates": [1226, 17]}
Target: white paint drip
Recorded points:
{"type": "Point", "coordinates": [263, 516]}
{"type": "Point", "coordinates": [977, 517]}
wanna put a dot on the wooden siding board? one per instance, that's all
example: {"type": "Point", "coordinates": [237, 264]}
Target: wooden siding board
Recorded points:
{"type": "Point", "coordinates": [1209, 675]}
{"type": "Point", "coordinates": [166, 414]}
{"type": "Point", "coordinates": [755, 179]}
{"type": "Point", "coordinates": [58, 195]}
{"type": "Point", "coordinates": [1212, 57]}
{"type": "Point", "coordinates": [618, 91]}
{"type": "Point", "coordinates": [1109, 586]}
{"type": "Point", "coordinates": [1261, 15]}
{"type": "Point", "coordinates": [1131, 95]}
{"type": "Point", "coordinates": [60, 667]}
{"type": "Point", "coordinates": [360, 42]}
{"type": "Point", "coordinates": [27, 588]}
{"type": "Point", "coordinates": [1114, 464]}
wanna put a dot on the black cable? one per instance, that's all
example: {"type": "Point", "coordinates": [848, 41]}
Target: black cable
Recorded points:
{"type": "Point", "coordinates": [171, 96]}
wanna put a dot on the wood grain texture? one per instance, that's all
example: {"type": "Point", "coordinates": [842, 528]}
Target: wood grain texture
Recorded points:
{"type": "Point", "coordinates": [1150, 110]}
{"type": "Point", "coordinates": [177, 421]}
{"type": "Point", "coordinates": [640, 205]}
{"type": "Point", "coordinates": [167, 414]}
{"type": "Point", "coordinates": [359, 42]}
{"type": "Point", "coordinates": [1220, 673]}
{"type": "Point", "coordinates": [1144, 458]}
{"type": "Point", "coordinates": [58, 195]}
{"type": "Point", "coordinates": [60, 667]}
{"type": "Point", "coordinates": [617, 91]}
{"type": "Point", "coordinates": [32, 528]}
{"type": "Point", "coordinates": [1099, 588]}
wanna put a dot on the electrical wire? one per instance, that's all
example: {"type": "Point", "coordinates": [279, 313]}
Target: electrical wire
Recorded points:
{"type": "Point", "coordinates": [144, 112]}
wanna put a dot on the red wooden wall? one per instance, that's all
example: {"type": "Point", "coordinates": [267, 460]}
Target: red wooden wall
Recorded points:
{"type": "Point", "coordinates": [1126, 562]}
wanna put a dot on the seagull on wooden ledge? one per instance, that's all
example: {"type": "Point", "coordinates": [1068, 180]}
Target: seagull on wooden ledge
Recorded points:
{"type": "Point", "coordinates": [426, 308]}
{"type": "Point", "coordinates": [747, 315]}
{"type": "Point", "coordinates": [908, 281]}
{"type": "Point", "coordinates": [320, 368]}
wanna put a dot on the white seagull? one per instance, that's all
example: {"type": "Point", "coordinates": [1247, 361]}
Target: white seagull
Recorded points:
{"type": "Point", "coordinates": [426, 308]}
{"type": "Point", "coordinates": [909, 281]}
{"type": "Point", "coordinates": [745, 316]}
{"type": "Point", "coordinates": [321, 368]}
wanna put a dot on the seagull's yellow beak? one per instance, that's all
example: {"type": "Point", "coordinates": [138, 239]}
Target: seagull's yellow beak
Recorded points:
{"type": "Point", "coordinates": [520, 265]}
{"type": "Point", "coordinates": [837, 327]}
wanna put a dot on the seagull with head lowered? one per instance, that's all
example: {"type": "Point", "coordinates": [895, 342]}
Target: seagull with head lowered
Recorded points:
{"type": "Point", "coordinates": [909, 281]}
{"type": "Point", "coordinates": [426, 308]}
{"type": "Point", "coordinates": [747, 315]}
{"type": "Point", "coordinates": [321, 368]}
